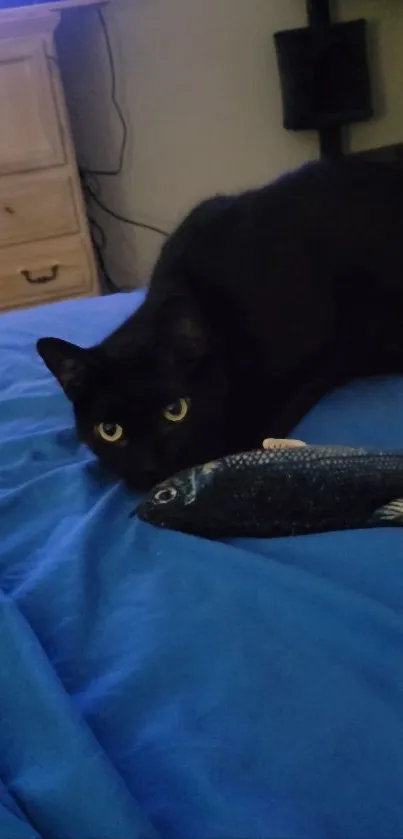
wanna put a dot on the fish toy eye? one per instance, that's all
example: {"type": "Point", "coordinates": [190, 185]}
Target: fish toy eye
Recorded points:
{"type": "Point", "coordinates": [109, 432]}
{"type": "Point", "coordinates": [165, 495]}
{"type": "Point", "coordinates": [176, 412]}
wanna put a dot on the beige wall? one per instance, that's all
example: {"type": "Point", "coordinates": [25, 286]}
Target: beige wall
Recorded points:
{"type": "Point", "coordinates": [385, 41]}
{"type": "Point", "coordinates": [198, 83]}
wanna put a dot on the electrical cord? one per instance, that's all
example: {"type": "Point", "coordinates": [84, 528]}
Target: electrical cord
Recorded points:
{"type": "Point", "coordinates": [115, 101]}
{"type": "Point", "coordinates": [99, 248]}
{"type": "Point", "coordinates": [89, 177]}
{"type": "Point", "coordinates": [118, 216]}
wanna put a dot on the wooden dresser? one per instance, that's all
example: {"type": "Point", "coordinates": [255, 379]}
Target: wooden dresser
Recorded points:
{"type": "Point", "coordinates": [45, 247]}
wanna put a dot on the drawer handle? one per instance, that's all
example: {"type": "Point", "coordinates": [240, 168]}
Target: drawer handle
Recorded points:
{"type": "Point", "coordinates": [44, 278]}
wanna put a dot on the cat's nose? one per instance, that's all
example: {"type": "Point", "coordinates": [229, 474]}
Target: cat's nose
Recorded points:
{"type": "Point", "coordinates": [148, 464]}
{"type": "Point", "coordinates": [140, 479]}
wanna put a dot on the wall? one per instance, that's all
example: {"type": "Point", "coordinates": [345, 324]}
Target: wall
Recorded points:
{"type": "Point", "coordinates": [198, 84]}
{"type": "Point", "coordinates": [385, 42]}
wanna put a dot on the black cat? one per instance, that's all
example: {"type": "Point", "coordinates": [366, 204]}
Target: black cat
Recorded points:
{"type": "Point", "coordinates": [258, 304]}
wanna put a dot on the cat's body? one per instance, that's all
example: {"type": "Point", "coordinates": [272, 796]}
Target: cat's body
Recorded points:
{"type": "Point", "coordinates": [258, 305]}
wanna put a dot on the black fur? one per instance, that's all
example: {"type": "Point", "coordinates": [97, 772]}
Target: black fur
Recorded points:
{"type": "Point", "coordinates": [259, 304]}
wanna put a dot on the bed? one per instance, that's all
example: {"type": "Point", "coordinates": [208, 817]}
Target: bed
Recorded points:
{"type": "Point", "coordinates": [154, 684]}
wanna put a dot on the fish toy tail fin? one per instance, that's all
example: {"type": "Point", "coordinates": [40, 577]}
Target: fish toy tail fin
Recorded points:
{"type": "Point", "coordinates": [390, 515]}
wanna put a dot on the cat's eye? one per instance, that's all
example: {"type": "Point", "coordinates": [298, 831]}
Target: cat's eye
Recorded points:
{"type": "Point", "coordinates": [109, 432]}
{"type": "Point", "coordinates": [177, 411]}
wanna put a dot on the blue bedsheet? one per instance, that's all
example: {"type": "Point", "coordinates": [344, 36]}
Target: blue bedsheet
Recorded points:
{"type": "Point", "coordinates": [156, 685]}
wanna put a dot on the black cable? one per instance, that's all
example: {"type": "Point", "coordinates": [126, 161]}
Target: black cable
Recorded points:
{"type": "Point", "coordinates": [100, 231]}
{"type": "Point", "coordinates": [331, 141]}
{"type": "Point", "coordinates": [87, 173]}
{"type": "Point", "coordinates": [115, 102]}
{"type": "Point", "coordinates": [330, 136]}
{"type": "Point", "coordinates": [99, 248]}
{"type": "Point", "coordinates": [91, 184]}
{"type": "Point", "coordinates": [119, 217]}
{"type": "Point", "coordinates": [318, 12]}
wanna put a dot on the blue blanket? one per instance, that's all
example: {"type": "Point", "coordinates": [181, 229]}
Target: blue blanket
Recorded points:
{"type": "Point", "coordinates": [157, 685]}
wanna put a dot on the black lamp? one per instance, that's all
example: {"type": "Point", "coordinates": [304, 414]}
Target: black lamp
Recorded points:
{"type": "Point", "coordinates": [324, 76]}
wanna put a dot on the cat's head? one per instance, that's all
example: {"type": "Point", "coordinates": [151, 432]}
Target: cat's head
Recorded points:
{"type": "Point", "coordinates": [151, 399]}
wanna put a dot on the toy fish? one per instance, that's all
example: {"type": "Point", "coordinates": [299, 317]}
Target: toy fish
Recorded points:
{"type": "Point", "coordinates": [281, 491]}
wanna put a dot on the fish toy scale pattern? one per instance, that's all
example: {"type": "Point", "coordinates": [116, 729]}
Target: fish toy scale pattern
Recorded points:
{"type": "Point", "coordinates": [281, 491]}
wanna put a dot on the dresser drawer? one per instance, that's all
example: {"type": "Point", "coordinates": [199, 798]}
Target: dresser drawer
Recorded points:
{"type": "Point", "coordinates": [30, 136]}
{"type": "Point", "coordinates": [36, 207]}
{"type": "Point", "coordinates": [45, 271]}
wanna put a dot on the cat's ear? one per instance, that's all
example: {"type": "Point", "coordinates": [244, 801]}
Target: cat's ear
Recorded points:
{"type": "Point", "coordinates": [69, 363]}
{"type": "Point", "coordinates": [182, 330]}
